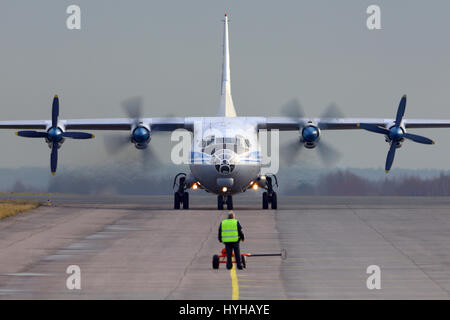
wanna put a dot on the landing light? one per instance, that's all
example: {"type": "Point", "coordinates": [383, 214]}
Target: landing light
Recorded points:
{"type": "Point", "coordinates": [195, 186]}
{"type": "Point", "coordinates": [224, 189]}
{"type": "Point", "coordinates": [255, 186]}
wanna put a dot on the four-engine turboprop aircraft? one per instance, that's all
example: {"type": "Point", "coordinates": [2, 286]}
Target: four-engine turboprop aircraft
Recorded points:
{"type": "Point", "coordinates": [225, 158]}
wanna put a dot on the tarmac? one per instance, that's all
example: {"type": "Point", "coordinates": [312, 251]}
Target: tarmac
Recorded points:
{"type": "Point", "coordinates": [138, 247]}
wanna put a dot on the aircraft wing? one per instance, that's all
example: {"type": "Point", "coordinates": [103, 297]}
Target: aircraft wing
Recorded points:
{"type": "Point", "coordinates": [33, 124]}
{"type": "Point", "coordinates": [419, 123]}
{"type": "Point", "coordinates": [55, 130]}
{"type": "Point", "coordinates": [293, 124]}
{"type": "Point", "coordinates": [157, 124]}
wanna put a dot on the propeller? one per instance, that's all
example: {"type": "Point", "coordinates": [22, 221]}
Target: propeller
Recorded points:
{"type": "Point", "coordinates": [116, 143]}
{"type": "Point", "coordinates": [310, 133]}
{"type": "Point", "coordinates": [133, 108]}
{"type": "Point", "coordinates": [140, 135]}
{"type": "Point", "coordinates": [55, 135]}
{"type": "Point", "coordinates": [396, 134]}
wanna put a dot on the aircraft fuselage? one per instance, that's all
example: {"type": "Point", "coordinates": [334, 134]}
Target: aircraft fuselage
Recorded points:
{"type": "Point", "coordinates": [225, 153]}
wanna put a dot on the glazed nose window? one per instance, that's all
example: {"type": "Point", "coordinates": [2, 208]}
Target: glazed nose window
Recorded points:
{"type": "Point", "coordinates": [225, 169]}
{"type": "Point", "coordinates": [223, 161]}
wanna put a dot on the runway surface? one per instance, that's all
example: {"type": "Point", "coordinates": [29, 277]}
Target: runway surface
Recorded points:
{"type": "Point", "coordinates": [139, 248]}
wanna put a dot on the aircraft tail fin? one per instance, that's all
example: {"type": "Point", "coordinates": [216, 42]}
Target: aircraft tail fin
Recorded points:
{"type": "Point", "coordinates": [226, 107]}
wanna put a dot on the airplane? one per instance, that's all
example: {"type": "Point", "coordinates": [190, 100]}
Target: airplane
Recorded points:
{"type": "Point", "coordinates": [225, 154]}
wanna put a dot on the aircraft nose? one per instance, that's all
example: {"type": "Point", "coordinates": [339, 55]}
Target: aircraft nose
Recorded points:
{"type": "Point", "coordinates": [224, 164]}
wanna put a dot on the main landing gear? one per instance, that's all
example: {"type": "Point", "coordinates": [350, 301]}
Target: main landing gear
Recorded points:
{"type": "Point", "coordinates": [221, 200]}
{"type": "Point", "coordinates": [180, 197]}
{"type": "Point", "coordinates": [270, 196]}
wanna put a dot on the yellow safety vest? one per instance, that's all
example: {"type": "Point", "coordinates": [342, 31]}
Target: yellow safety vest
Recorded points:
{"type": "Point", "coordinates": [230, 230]}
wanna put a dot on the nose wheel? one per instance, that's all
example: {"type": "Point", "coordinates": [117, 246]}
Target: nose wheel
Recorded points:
{"type": "Point", "coordinates": [222, 200]}
{"type": "Point", "coordinates": [181, 200]}
{"type": "Point", "coordinates": [269, 196]}
{"type": "Point", "coordinates": [180, 197]}
{"type": "Point", "coordinates": [269, 199]}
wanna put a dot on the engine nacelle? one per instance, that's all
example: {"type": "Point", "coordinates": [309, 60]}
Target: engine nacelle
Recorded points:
{"type": "Point", "coordinates": [310, 135]}
{"type": "Point", "coordinates": [141, 136]}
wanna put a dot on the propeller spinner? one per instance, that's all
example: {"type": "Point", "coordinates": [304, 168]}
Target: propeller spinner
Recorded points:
{"type": "Point", "coordinates": [55, 135]}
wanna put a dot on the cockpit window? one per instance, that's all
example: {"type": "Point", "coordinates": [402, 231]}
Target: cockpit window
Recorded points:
{"type": "Point", "coordinates": [208, 141]}
{"type": "Point", "coordinates": [238, 144]}
{"type": "Point", "coordinates": [242, 142]}
{"type": "Point", "coordinates": [226, 140]}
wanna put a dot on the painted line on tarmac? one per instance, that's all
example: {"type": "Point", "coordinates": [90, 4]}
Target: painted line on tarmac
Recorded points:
{"type": "Point", "coordinates": [234, 283]}
{"type": "Point", "coordinates": [234, 280]}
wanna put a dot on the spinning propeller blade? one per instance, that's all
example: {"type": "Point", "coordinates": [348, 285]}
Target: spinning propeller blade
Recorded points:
{"type": "Point", "coordinates": [293, 109]}
{"type": "Point", "coordinates": [117, 142]}
{"type": "Point", "coordinates": [327, 153]}
{"type": "Point", "coordinates": [133, 108]}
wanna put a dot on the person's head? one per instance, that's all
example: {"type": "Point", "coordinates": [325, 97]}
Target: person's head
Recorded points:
{"type": "Point", "coordinates": [231, 215]}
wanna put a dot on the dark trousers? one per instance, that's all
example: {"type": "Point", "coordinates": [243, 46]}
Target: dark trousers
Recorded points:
{"type": "Point", "coordinates": [230, 246]}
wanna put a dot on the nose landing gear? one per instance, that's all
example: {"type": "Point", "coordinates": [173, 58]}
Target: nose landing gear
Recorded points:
{"type": "Point", "coordinates": [221, 200]}
{"type": "Point", "coordinates": [270, 196]}
{"type": "Point", "coordinates": [180, 197]}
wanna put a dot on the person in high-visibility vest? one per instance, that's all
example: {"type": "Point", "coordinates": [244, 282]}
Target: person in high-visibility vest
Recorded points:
{"type": "Point", "coordinates": [230, 233]}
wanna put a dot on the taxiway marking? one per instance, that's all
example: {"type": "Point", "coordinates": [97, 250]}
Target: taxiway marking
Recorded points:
{"type": "Point", "coordinates": [234, 280]}
{"type": "Point", "coordinates": [234, 283]}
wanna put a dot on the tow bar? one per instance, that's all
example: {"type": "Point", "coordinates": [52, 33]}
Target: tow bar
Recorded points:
{"type": "Point", "coordinates": [222, 257]}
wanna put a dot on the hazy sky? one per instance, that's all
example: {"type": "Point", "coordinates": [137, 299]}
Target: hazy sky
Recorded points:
{"type": "Point", "coordinates": [170, 53]}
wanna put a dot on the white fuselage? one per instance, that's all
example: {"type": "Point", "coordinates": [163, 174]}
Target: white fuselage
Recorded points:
{"type": "Point", "coordinates": [225, 153]}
